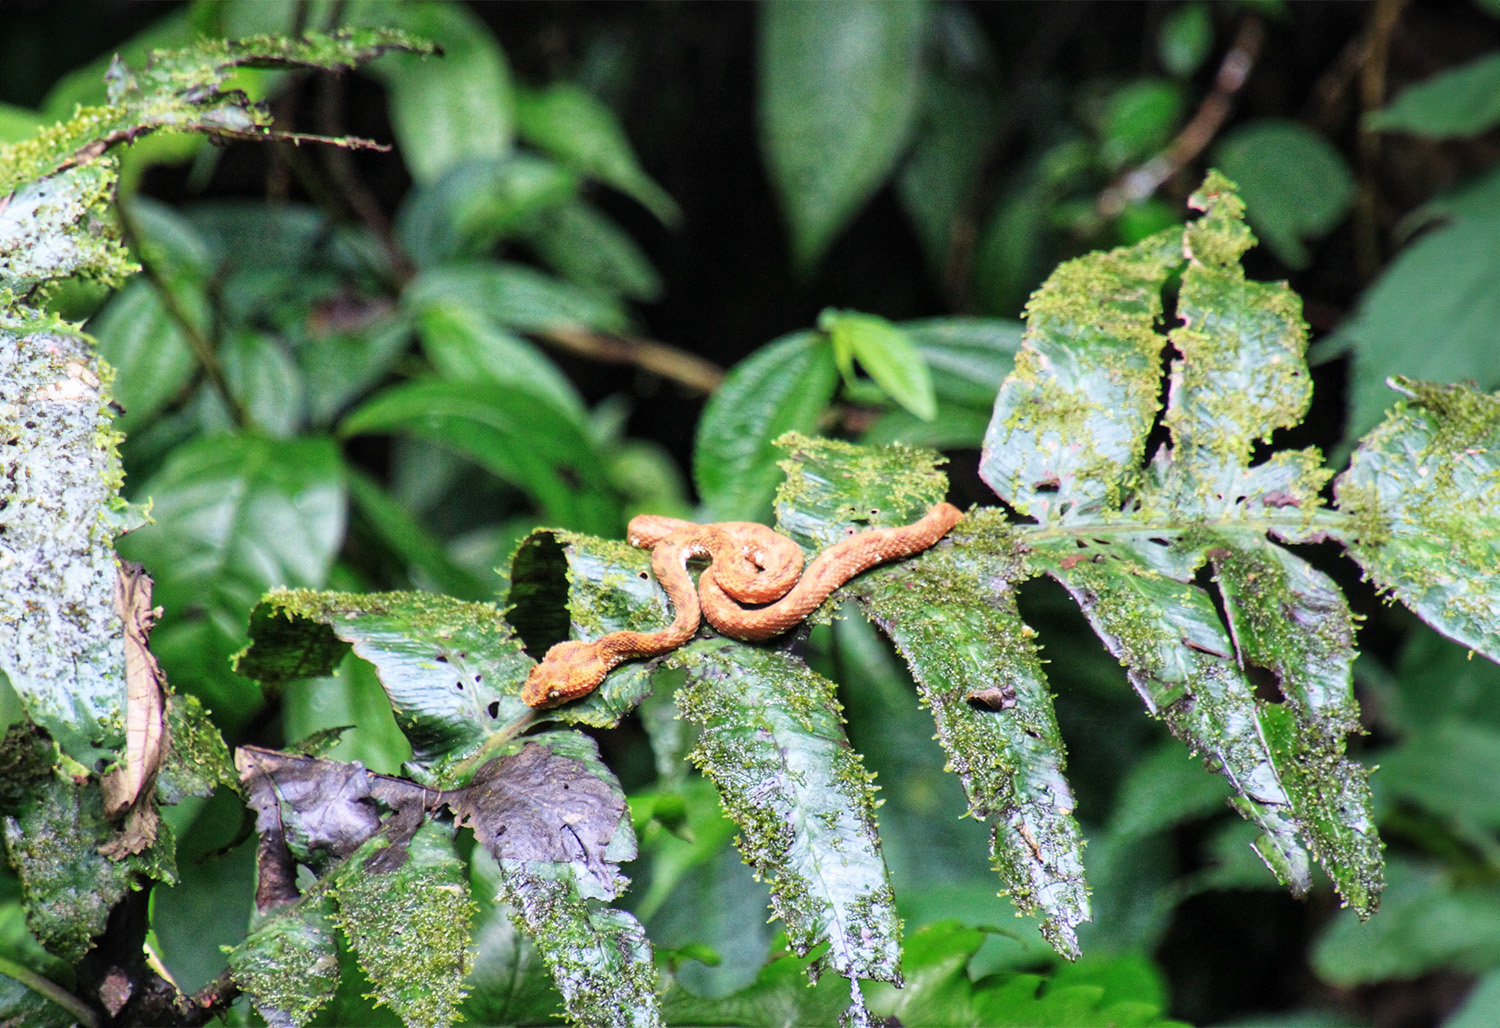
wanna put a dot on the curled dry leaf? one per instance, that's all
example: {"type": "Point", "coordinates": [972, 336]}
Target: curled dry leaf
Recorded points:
{"type": "Point", "coordinates": [128, 789]}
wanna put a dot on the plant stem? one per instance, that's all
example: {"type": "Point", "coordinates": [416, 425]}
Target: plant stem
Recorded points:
{"type": "Point", "coordinates": [44, 986]}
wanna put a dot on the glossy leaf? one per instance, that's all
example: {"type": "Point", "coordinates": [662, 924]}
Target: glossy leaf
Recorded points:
{"type": "Point", "coordinates": [466, 210]}
{"type": "Point", "coordinates": [141, 340]}
{"type": "Point", "coordinates": [1069, 427]}
{"type": "Point", "coordinates": [884, 351]}
{"type": "Point", "coordinates": [586, 247]}
{"type": "Point", "coordinates": [1456, 103]}
{"type": "Point", "coordinates": [781, 388]}
{"type": "Point", "coordinates": [838, 93]}
{"type": "Point", "coordinates": [447, 111]}
{"type": "Point", "coordinates": [520, 436]}
{"type": "Point", "coordinates": [773, 742]}
{"type": "Point", "coordinates": [1423, 491]}
{"type": "Point", "coordinates": [1295, 184]}
{"type": "Point", "coordinates": [451, 669]}
{"type": "Point", "coordinates": [517, 297]}
{"type": "Point", "coordinates": [236, 515]}
{"type": "Point", "coordinates": [1442, 286]}
{"type": "Point", "coordinates": [466, 345]}
{"type": "Point", "coordinates": [579, 131]}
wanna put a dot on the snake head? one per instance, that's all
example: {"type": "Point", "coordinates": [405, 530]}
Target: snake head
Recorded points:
{"type": "Point", "coordinates": [568, 671]}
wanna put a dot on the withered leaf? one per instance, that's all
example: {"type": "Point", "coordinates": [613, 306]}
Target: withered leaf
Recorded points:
{"type": "Point", "coordinates": [128, 788]}
{"type": "Point", "coordinates": [537, 805]}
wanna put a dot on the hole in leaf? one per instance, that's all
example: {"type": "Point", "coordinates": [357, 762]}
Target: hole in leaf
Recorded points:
{"type": "Point", "coordinates": [1050, 484]}
{"type": "Point", "coordinates": [440, 657]}
{"type": "Point", "coordinates": [493, 709]}
{"type": "Point", "coordinates": [1266, 682]}
{"type": "Point", "coordinates": [459, 685]}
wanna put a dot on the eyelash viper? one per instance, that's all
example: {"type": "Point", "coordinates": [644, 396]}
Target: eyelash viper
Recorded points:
{"type": "Point", "coordinates": [749, 564]}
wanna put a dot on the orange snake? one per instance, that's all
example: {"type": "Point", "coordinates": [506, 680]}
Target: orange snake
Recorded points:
{"type": "Point", "coordinates": [750, 563]}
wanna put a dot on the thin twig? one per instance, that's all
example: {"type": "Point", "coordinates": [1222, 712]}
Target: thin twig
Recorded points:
{"type": "Point", "coordinates": [687, 369]}
{"type": "Point", "coordinates": [1142, 182]}
{"type": "Point", "coordinates": [200, 344]}
{"type": "Point", "coordinates": [1383, 19]}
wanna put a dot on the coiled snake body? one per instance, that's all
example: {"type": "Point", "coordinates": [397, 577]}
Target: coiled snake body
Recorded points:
{"type": "Point", "coordinates": [749, 564]}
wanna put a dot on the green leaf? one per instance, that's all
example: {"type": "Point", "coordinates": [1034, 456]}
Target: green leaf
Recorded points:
{"type": "Point", "coordinates": [773, 742]}
{"type": "Point", "coordinates": [451, 669]}
{"type": "Point", "coordinates": [782, 387]}
{"type": "Point", "coordinates": [1447, 769]}
{"type": "Point", "coordinates": [508, 983]}
{"type": "Point", "coordinates": [573, 126]}
{"type": "Point", "coordinates": [1138, 119]}
{"type": "Point", "coordinates": [52, 841]}
{"type": "Point", "coordinates": [1070, 423]}
{"type": "Point", "coordinates": [413, 541]}
{"type": "Point", "coordinates": [447, 111]}
{"type": "Point", "coordinates": [61, 642]}
{"type": "Point", "coordinates": [952, 615]}
{"type": "Point", "coordinates": [839, 85]}
{"type": "Point", "coordinates": [146, 347]}
{"type": "Point", "coordinates": [565, 585]}
{"type": "Point", "coordinates": [1187, 34]}
{"type": "Point", "coordinates": [288, 964]}
{"type": "Point", "coordinates": [1295, 184]}
{"type": "Point", "coordinates": [465, 345]}
{"type": "Point", "coordinates": [520, 436]}
{"type": "Point", "coordinates": [1423, 491]}
{"type": "Point", "coordinates": [265, 382]}
{"type": "Point", "coordinates": [1433, 313]}
{"type": "Point", "coordinates": [887, 353]}
{"type": "Point", "coordinates": [1429, 920]}
{"type": "Point", "coordinates": [409, 925]}
{"type": "Point", "coordinates": [475, 203]}
{"type": "Point", "coordinates": [589, 249]}
{"type": "Point", "coordinates": [780, 995]}
{"type": "Point", "coordinates": [1164, 789]}
{"type": "Point", "coordinates": [236, 515]}
{"type": "Point", "coordinates": [1459, 103]}
{"type": "Point", "coordinates": [516, 297]}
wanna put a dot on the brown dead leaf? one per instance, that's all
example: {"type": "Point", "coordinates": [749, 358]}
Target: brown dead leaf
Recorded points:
{"type": "Point", "coordinates": [129, 787]}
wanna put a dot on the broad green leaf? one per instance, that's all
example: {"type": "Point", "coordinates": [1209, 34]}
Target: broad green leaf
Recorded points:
{"type": "Point", "coordinates": [288, 965]}
{"type": "Point", "coordinates": [1166, 788]}
{"type": "Point", "coordinates": [1430, 919]}
{"type": "Point", "coordinates": [583, 134]}
{"type": "Point", "coordinates": [520, 436]}
{"type": "Point", "coordinates": [52, 841]}
{"type": "Point", "coordinates": [780, 995]}
{"type": "Point", "coordinates": [1459, 102]}
{"type": "Point", "coordinates": [18, 123]}
{"type": "Point", "coordinates": [465, 345]}
{"type": "Point", "coordinates": [236, 515]}
{"type": "Point", "coordinates": [839, 85]}
{"type": "Point", "coordinates": [884, 351]}
{"type": "Point", "coordinates": [413, 541]}
{"type": "Point", "coordinates": [782, 387]}
{"type": "Point", "coordinates": [451, 670]}
{"type": "Point", "coordinates": [1185, 37]}
{"type": "Point", "coordinates": [599, 957]}
{"type": "Point", "coordinates": [515, 296]}
{"type": "Point", "coordinates": [508, 982]}
{"type": "Point", "coordinates": [1435, 682]}
{"type": "Point", "coordinates": [1070, 423]}
{"type": "Point", "coordinates": [773, 742]}
{"type": "Point", "coordinates": [1447, 769]}
{"type": "Point", "coordinates": [1295, 184]}
{"type": "Point", "coordinates": [409, 925]}
{"type": "Point", "coordinates": [565, 585]}
{"type": "Point", "coordinates": [1138, 119]}
{"type": "Point", "coordinates": [449, 110]}
{"type": "Point", "coordinates": [472, 205]}
{"type": "Point", "coordinates": [61, 642]}
{"type": "Point", "coordinates": [951, 612]}
{"type": "Point", "coordinates": [265, 382]}
{"type": "Point", "coordinates": [1434, 313]}
{"type": "Point", "coordinates": [587, 248]}
{"type": "Point", "coordinates": [1481, 1007]}
{"type": "Point", "coordinates": [147, 349]}
{"type": "Point", "coordinates": [1423, 495]}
